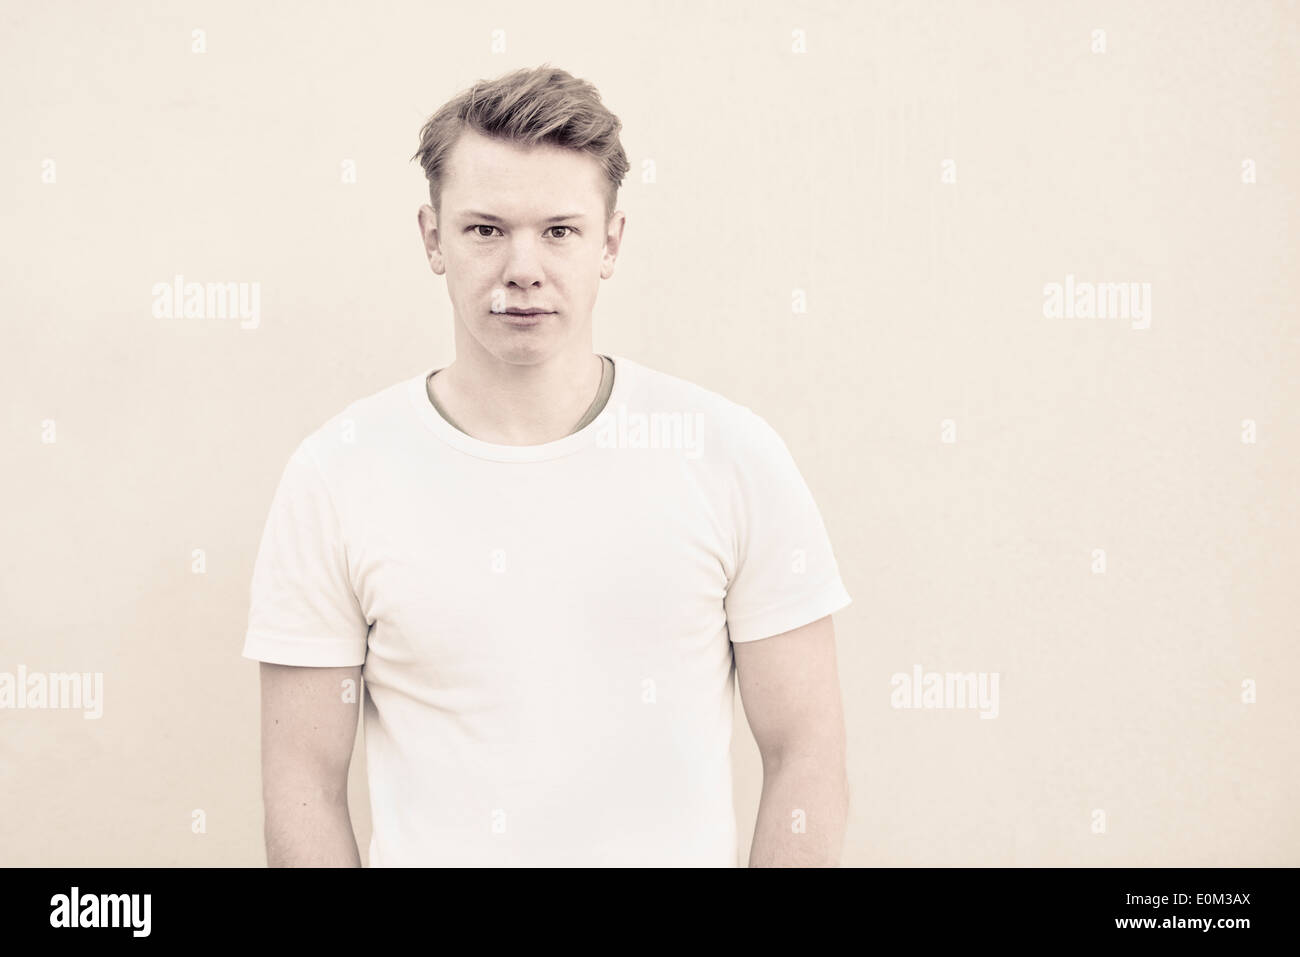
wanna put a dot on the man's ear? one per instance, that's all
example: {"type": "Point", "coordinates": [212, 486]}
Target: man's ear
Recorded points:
{"type": "Point", "coordinates": [613, 242]}
{"type": "Point", "coordinates": [428, 223]}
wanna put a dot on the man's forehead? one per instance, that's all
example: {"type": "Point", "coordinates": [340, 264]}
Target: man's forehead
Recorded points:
{"type": "Point", "coordinates": [496, 180]}
{"type": "Point", "coordinates": [479, 214]}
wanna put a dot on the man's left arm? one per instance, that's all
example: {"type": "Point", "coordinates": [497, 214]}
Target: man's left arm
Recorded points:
{"type": "Point", "coordinates": [789, 686]}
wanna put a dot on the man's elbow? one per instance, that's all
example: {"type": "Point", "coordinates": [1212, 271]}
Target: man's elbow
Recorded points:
{"type": "Point", "coordinates": [819, 752]}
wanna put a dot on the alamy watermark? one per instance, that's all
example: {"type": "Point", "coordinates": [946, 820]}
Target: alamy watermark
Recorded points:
{"type": "Point", "coordinates": [179, 299]}
{"type": "Point", "coordinates": [617, 428]}
{"type": "Point", "coordinates": [1098, 300]}
{"type": "Point", "coordinates": [56, 689]}
{"type": "Point", "coordinates": [102, 910]}
{"type": "Point", "coordinates": [976, 690]}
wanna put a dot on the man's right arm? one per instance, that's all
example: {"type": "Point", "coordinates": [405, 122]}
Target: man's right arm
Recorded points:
{"type": "Point", "coordinates": [309, 726]}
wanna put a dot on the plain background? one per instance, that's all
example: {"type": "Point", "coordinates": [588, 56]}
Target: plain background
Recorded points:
{"type": "Point", "coordinates": [773, 171]}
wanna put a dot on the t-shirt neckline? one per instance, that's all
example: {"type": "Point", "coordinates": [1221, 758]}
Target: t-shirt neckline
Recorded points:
{"type": "Point", "coordinates": [573, 442]}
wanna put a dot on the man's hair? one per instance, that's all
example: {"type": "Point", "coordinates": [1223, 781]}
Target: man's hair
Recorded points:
{"type": "Point", "coordinates": [529, 107]}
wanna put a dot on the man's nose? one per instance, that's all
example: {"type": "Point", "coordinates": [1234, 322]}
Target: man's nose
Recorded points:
{"type": "Point", "coordinates": [523, 263]}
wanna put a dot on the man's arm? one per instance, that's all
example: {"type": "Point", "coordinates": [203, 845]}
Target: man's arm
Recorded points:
{"type": "Point", "coordinates": [790, 690]}
{"type": "Point", "coordinates": [309, 725]}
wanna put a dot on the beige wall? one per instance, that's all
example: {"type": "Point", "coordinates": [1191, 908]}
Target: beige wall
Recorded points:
{"type": "Point", "coordinates": [1119, 691]}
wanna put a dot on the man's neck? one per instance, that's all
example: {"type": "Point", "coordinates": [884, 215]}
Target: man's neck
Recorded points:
{"type": "Point", "coordinates": [507, 404]}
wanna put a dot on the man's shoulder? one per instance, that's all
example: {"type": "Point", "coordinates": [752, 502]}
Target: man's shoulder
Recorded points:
{"type": "Point", "coordinates": [669, 392]}
{"type": "Point", "coordinates": [733, 430]}
{"type": "Point", "coordinates": [361, 427]}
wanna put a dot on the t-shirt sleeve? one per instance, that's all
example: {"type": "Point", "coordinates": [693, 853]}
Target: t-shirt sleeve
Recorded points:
{"type": "Point", "coordinates": [785, 574]}
{"type": "Point", "coordinates": [302, 607]}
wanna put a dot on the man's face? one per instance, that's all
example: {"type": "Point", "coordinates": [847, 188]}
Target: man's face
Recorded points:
{"type": "Point", "coordinates": [522, 229]}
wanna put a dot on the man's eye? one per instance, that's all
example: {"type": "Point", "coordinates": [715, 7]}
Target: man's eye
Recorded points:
{"type": "Point", "coordinates": [488, 235]}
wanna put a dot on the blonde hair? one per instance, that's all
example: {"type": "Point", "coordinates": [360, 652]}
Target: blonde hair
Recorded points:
{"type": "Point", "coordinates": [544, 105]}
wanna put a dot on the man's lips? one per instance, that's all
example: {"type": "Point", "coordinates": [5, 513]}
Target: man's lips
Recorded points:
{"type": "Point", "coordinates": [521, 318]}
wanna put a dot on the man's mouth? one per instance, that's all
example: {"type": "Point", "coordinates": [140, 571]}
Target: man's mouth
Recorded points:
{"type": "Point", "coordinates": [523, 318]}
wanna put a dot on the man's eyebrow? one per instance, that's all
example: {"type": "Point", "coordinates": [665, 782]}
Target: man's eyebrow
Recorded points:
{"type": "Point", "coordinates": [489, 218]}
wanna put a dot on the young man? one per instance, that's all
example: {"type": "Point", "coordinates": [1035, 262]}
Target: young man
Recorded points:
{"type": "Point", "coordinates": [549, 565]}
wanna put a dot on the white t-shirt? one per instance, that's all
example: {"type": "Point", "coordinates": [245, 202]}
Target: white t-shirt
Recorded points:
{"type": "Point", "coordinates": [544, 629]}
